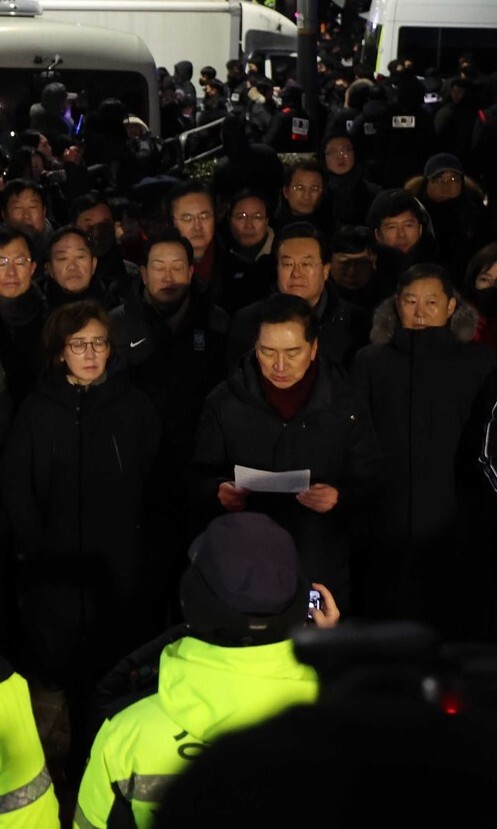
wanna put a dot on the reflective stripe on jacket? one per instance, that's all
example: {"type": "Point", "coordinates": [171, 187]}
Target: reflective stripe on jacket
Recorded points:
{"type": "Point", "coordinates": [204, 691]}
{"type": "Point", "coordinates": [27, 798]}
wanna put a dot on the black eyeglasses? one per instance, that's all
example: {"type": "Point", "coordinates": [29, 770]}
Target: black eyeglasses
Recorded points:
{"type": "Point", "coordinates": [99, 344]}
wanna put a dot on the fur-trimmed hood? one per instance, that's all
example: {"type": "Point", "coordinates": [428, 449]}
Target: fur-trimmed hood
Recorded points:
{"type": "Point", "coordinates": [463, 322]}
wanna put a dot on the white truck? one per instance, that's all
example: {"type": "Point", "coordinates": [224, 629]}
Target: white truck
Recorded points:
{"type": "Point", "coordinates": [206, 32]}
{"type": "Point", "coordinates": [89, 60]}
{"type": "Point", "coordinates": [431, 32]}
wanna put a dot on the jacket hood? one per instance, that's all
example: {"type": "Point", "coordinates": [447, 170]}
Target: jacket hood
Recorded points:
{"type": "Point", "coordinates": [207, 689]}
{"type": "Point", "coordinates": [463, 322]}
{"type": "Point", "coordinates": [53, 97]}
{"type": "Point", "coordinates": [184, 70]}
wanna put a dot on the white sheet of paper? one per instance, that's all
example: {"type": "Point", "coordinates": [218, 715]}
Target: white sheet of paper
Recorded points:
{"type": "Point", "coordinates": [258, 480]}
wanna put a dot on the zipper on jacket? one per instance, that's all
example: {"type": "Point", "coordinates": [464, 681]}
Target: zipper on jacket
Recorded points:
{"type": "Point", "coordinates": [118, 454]}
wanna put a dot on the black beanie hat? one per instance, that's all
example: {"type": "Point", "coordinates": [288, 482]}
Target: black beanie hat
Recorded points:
{"type": "Point", "coordinates": [243, 586]}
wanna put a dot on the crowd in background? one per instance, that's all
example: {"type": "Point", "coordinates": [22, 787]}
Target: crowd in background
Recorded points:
{"type": "Point", "coordinates": [141, 356]}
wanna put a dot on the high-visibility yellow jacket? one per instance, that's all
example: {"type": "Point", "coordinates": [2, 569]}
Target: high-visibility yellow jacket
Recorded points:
{"type": "Point", "coordinates": [204, 691]}
{"type": "Point", "coordinates": [27, 797]}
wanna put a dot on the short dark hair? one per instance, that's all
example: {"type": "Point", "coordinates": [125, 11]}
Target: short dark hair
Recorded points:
{"type": "Point", "coordinates": [123, 206]}
{"type": "Point", "coordinates": [309, 165]}
{"type": "Point", "coordinates": [16, 186]}
{"type": "Point", "coordinates": [352, 239]}
{"type": "Point", "coordinates": [209, 72]}
{"type": "Point", "coordinates": [336, 132]}
{"type": "Point", "coordinates": [247, 193]}
{"type": "Point", "coordinates": [392, 202]}
{"type": "Point", "coordinates": [86, 202]}
{"type": "Point", "coordinates": [279, 308]}
{"type": "Point", "coordinates": [216, 84]}
{"type": "Point", "coordinates": [234, 63]}
{"type": "Point", "coordinates": [425, 270]}
{"type": "Point", "coordinates": [8, 234]}
{"type": "Point", "coordinates": [187, 188]}
{"type": "Point", "coordinates": [59, 234]}
{"type": "Point", "coordinates": [169, 236]}
{"type": "Point", "coordinates": [65, 321]}
{"type": "Point", "coordinates": [303, 230]}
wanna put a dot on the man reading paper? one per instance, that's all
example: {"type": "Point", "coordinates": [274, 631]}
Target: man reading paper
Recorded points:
{"type": "Point", "coordinates": [285, 409]}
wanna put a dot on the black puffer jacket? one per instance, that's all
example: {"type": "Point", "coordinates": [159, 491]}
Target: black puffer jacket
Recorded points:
{"type": "Point", "coordinates": [421, 388]}
{"type": "Point", "coordinates": [330, 435]}
{"type": "Point", "coordinates": [21, 322]}
{"type": "Point", "coordinates": [73, 471]}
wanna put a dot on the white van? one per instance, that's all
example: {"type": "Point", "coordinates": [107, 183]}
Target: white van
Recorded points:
{"type": "Point", "coordinates": [89, 60]}
{"type": "Point", "coordinates": [205, 32]}
{"type": "Point", "coordinates": [433, 33]}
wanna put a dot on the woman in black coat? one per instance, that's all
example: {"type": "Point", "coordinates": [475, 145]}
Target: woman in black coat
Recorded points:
{"type": "Point", "coordinates": [73, 475]}
{"type": "Point", "coordinates": [421, 378]}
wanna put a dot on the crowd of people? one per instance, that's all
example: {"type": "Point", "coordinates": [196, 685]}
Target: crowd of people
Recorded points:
{"type": "Point", "coordinates": [216, 394]}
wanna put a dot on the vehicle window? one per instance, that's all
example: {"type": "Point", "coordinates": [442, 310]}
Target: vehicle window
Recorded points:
{"type": "Point", "coordinates": [436, 46]}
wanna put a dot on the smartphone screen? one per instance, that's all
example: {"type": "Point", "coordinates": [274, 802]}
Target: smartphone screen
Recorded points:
{"type": "Point", "coordinates": [314, 601]}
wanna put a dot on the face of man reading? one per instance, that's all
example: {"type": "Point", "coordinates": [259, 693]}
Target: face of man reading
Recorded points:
{"type": "Point", "coordinates": [283, 353]}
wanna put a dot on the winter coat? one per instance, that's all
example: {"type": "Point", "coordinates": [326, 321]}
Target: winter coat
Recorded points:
{"type": "Point", "coordinates": [330, 435]}
{"type": "Point", "coordinates": [406, 136]}
{"type": "Point", "coordinates": [321, 218]}
{"type": "Point", "coordinates": [243, 276]}
{"type": "Point", "coordinates": [175, 362]}
{"type": "Point", "coordinates": [27, 797]}
{"type": "Point", "coordinates": [73, 476]}
{"type": "Point", "coordinates": [343, 328]}
{"type": "Point", "coordinates": [97, 290]}
{"type": "Point", "coordinates": [73, 472]}
{"type": "Point", "coordinates": [292, 130]}
{"type": "Point", "coordinates": [351, 196]}
{"type": "Point", "coordinates": [421, 387]}
{"type": "Point", "coordinates": [461, 225]}
{"type": "Point", "coordinates": [204, 691]}
{"type": "Point", "coordinates": [21, 322]}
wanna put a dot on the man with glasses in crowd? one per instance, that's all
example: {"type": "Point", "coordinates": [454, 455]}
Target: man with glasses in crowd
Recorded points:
{"type": "Point", "coordinates": [303, 267]}
{"type": "Point", "coordinates": [302, 196]}
{"type": "Point", "coordinates": [190, 208]}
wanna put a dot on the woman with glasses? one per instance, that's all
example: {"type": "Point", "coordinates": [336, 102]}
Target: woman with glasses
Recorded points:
{"type": "Point", "coordinates": [73, 474]}
{"type": "Point", "coordinates": [348, 190]}
{"type": "Point", "coordinates": [461, 221]}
